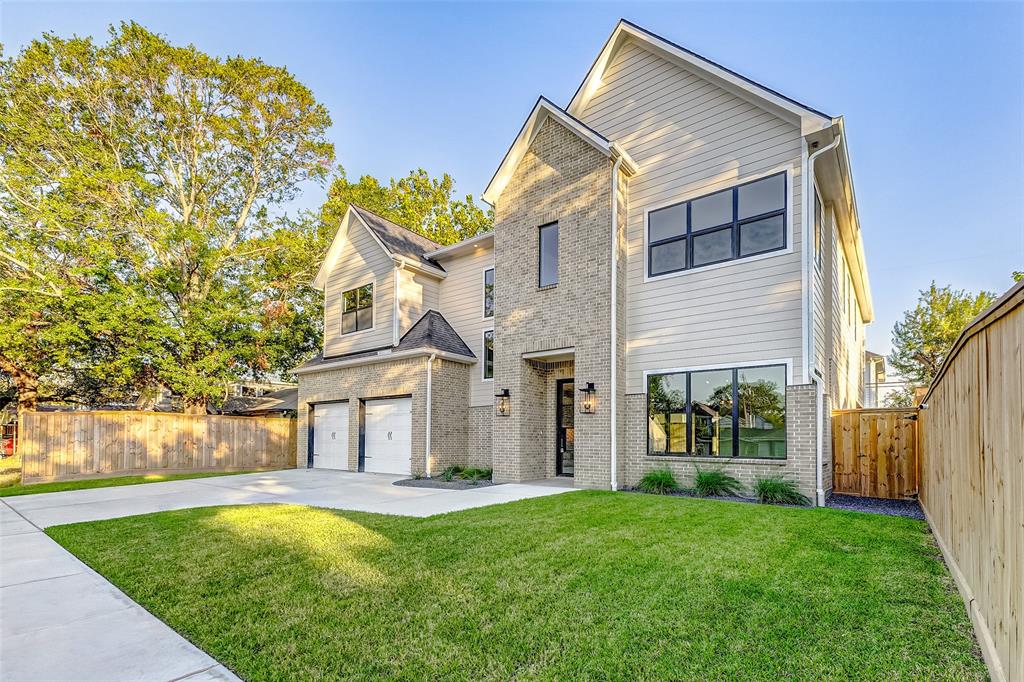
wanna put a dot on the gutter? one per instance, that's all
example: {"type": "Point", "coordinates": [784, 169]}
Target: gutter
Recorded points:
{"type": "Point", "coordinates": [430, 376]}
{"type": "Point", "coordinates": [809, 362]}
{"type": "Point", "coordinates": [395, 299]}
{"type": "Point", "coordinates": [384, 356]}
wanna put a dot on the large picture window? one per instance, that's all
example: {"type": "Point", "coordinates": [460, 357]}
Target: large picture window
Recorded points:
{"type": "Point", "coordinates": [357, 309]}
{"type": "Point", "coordinates": [742, 221]}
{"type": "Point", "coordinates": [718, 413]}
{"type": "Point", "coordinates": [488, 354]}
{"type": "Point", "coordinates": [488, 293]}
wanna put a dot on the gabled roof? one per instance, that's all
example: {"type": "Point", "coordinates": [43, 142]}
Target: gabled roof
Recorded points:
{"type": "Point", "coordinates": [810, 118]}
{"type": "Point", "coordinates": [542, 110]}
{"type": "Point", "coordinates": [398, 243]}
{"type": "Point", "coordinates": [283, 400]}
{"type": "Point", "coordinates": [398, 240]}
{"type": "Point", "coordinates": [432, 332]}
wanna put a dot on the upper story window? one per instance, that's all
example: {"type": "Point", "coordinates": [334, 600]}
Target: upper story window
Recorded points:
{"type": "Point", "coordinates": [742, 221]}
{"type": "Point", "coordinates": [718, 413]}
{"type": "Point", "coordinates": [488, 293]}
{"type": "Point", "coordinates": [548, 261]}
{"type": "Point", "coordinates": [357, 309]}
{"type": "Point", "coordinates": [488, 370]}
{"type": "Point", "coordinates": [819, 222]}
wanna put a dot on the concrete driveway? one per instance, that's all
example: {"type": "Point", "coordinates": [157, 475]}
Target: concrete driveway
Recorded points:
{"type": "Point", "coordinates": [60, 620]}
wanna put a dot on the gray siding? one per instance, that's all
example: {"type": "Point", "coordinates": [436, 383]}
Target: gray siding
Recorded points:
{"type": "Point", "coordinates": [691, 137]}
{"type": "Point", "coordinates": [460, 300]}
{"type": "Point", "coordinates": [361, 261]}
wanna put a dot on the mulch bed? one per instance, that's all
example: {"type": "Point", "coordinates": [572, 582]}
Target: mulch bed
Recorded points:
{"type": "Point", "coordinates": [726, 498]}
{"type": "Point", "coordinates": [454, 484]}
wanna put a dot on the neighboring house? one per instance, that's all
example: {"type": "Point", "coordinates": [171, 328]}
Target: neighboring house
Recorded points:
{"type": "Point", "coordinates": [652, 295]}
{"type": "Point", "coordinates": [280, 403]}
{"type": "Point", "coordinates": [874, 378]}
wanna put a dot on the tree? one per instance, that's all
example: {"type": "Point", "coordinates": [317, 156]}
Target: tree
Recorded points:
{"type": "Point", "coordinates": [926, 334]}
{"type": "Point", "coordinates": [1017, 275]}
{"type": "Point", "coordinates": [140, 190]}
{"type": "Point", "coordinates": [417, 201]}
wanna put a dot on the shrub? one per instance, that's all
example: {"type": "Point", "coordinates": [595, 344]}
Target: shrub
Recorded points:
{"type": "Point", "coordinates": [715, 483]}
{"type": "Point", "coordinates": [659, 482]}
{"type": "Point", "coordinates": [474, 474]}
{"type": "Point", "coordinates": [449, 473]}
{"type": "Point", "coordinates": [778, 490]}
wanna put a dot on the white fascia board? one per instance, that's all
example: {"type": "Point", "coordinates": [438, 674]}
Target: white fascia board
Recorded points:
{"type": "Point", "coordinates": [808, 119]}
{"type": "Point", "coordinates": [456, 248]}
{"type": "Point", "coordinates": [540, 113]}
{"type": "Point", "coordinates": [338, 244]}
{"type": "Point", "coordinates": [385, 356]}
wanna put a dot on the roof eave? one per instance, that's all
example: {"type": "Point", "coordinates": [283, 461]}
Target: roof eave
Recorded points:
{"type": "Point", "coordinates": [458, 247]}
{"type": "Point", "coordinates": [384, 357]}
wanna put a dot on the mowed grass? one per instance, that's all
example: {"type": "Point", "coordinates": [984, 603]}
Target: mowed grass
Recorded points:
{"type": "Point", "coordinates": [587, 585]}
{"type": "Point", "coordinates": [14, 488]}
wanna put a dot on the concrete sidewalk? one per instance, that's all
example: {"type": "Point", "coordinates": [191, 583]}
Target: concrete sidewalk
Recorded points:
{"type": "Point", "coordinates": [60, 620]}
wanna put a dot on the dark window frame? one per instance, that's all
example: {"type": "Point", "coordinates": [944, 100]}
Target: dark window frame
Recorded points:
{"type": "Point", "coordinates": [485, 361]}
{"type": "Point", "coordinates": [688, 234]}
{"type": "Point", "coordinates": [540, 254]}
{"type": "Point", "coordinates": [488, 294]}
{"type": "Point", "coordinates": [359, 306]}
{"type": "Point", "coordinates": [689, 413]}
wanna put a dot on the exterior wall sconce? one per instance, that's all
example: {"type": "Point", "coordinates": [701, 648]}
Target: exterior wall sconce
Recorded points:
{"type": "Point", "coordinates": [588, 399]}
{"type": "Point", "coordinates": [502, 403]}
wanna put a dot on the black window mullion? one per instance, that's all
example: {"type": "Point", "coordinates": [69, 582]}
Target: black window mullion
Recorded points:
{"type": "Point", "coordinates": [735, 220]}
{"type": "Point", "coordinates": [735, 413]}
{"type": "Point", "coordinates": [687, 259]}
{"type": "Point", "coordinates": [689, 424]}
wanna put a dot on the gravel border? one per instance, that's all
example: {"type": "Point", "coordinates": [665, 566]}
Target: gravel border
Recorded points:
{"type": "Point", "coordinates": [909, 509]}
{"type": "Point", "coordinates": [454, 484]}
{"type": "Point", "coordinates": [722, 498]}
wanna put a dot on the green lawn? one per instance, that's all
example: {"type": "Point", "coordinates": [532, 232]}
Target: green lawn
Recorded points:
{"type": "Point", "coordinates": [14, 488]}
{"type": "Point", "coordinates": [589, 585]}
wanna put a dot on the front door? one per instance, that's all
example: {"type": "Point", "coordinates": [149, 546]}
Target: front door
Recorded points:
{"type": "Point", "coordinates": [564, 457]}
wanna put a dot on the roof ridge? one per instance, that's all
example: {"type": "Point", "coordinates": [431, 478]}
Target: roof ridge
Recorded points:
{"type": "Point", "coordinates": [398, 225]}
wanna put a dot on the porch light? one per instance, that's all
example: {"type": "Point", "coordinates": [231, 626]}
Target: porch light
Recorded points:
{"type": "Point", "coordinates": [502, 403]}
{"type": "Point", "coordinates": [588, 399]}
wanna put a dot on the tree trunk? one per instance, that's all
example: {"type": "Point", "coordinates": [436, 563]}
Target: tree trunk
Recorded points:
{"type": "Point", "coordinates": [26, 383]}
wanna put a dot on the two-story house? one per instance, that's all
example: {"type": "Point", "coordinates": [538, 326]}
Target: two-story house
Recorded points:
{"type": "Point", "coordinates": [675, 279]}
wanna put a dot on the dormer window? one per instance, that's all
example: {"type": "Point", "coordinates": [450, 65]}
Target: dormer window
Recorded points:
{"type": "Point", "coordinates": [357, 309]}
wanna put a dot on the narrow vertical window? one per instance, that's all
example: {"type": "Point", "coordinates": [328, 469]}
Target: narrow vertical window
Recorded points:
{"type": "Point", "coordinates": [489, 354]}
{"type": "Point", "coordinates": [548, 270]}
{"type": "Point", "coordinates": [489, 293]}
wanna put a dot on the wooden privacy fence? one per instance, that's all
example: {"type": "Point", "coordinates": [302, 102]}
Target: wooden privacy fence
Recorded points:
{"type": "Point", "coordinates": [875, 453]}
{"type": "Point", "coordinates": [972, 476]}
{"type": "Point", "coordinates": [66, 445]}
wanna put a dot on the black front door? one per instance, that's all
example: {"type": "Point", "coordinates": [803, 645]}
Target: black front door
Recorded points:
{"type": "Point", "coordinates": [564, 458]}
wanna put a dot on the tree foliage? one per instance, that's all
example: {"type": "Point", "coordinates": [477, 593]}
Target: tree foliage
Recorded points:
{"type": "Point", "coordinates": [140, 187]}
{"type": "Point", "coordinates": [927, 333]}
{"type": "Point", "coordinates": [421, 203]}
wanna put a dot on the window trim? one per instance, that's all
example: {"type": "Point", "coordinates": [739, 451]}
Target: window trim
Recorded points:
{"type": "Point", "coordinates": [540, 254]}
{"type": "Point", "coordinates": [483, 293]}
{"type": "Point", "coordinates": [483, 355]}
{"type": "Point", "coordinates": [373, 310]}
{"type": "Point", "coordinates": [787, 248]}
{"type": "Point", "coordinates": [784, 362]}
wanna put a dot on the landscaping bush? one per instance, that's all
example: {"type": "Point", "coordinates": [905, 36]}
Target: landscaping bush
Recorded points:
{"type": "Point", "coordinates": [659, 482]}
{"type": "Point", "coordinates": [778, 490]}
{"type": "Point", "coordinates": [715, 483]}
{"type": "Point", "coordinates": [465, 474]}
{"type": "Point", "coordinates": [449, 473]}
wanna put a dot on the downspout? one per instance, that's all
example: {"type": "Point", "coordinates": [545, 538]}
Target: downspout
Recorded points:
{"type": "Point", "coordinates": [809, 363]}
{"type": "Point", "coordinates": [394, 308]}
{"type": "Point", "coordinates": [430, 376]}
{"type": "Point", "coordinates": [614, 337]}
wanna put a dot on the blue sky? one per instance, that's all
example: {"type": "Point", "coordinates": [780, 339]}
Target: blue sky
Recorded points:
{"type": "Point", "coordinates": [933, 95]}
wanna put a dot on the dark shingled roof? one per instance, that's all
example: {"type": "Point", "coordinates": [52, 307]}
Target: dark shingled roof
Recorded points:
{"type": "Point", "coordinates": [283, 400]}
{"type": "Point", "coordinates": [399, 240]}
{"type": "Point", "coordinates": [432, 332]}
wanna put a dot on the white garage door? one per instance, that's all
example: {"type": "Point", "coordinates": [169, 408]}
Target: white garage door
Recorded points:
{"type": "Point", "coordinates": [389, 436]}
{"type": "Point", "coordinates": [330, 436]}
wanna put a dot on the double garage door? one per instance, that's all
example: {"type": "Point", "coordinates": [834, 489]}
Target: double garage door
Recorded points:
{"type": "Point", "coordinates": [388, 431]}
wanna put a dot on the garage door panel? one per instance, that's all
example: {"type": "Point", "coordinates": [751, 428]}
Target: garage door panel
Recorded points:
{"type": "Point", "coordinates": [388, 431]}
{"type": "Point", "coordinates": [330, 436]}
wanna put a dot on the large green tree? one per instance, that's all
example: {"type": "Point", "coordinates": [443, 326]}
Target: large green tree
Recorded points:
{"type": "Point", "coordinates": [417, 201]}
{"type": "Point", "coordinates": [926, 334]}
{"type": "Point", "coordinates": [141, 190]}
